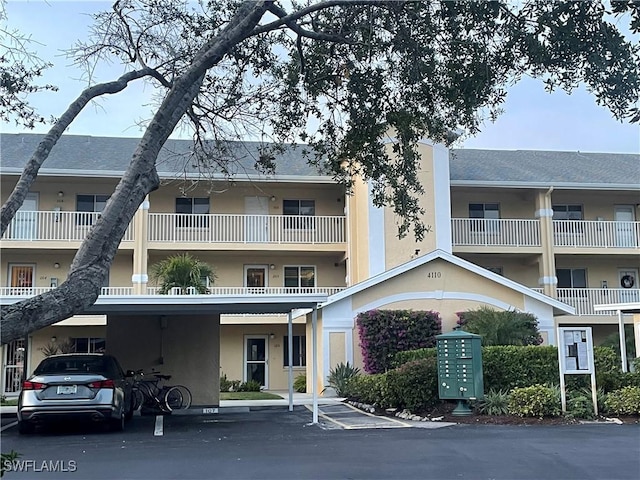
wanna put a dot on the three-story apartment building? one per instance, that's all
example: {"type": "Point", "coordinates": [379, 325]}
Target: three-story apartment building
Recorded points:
{"type": "Point", "coordinates": [548, 232]}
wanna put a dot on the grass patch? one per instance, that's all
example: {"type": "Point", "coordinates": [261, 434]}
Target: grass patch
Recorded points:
{"type": "Point", "coordinates": [249, 396]}
{"type": "Point", "coordinates": [10, 402]}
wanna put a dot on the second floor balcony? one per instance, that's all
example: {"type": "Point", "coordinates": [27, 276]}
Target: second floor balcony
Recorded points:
{"type": "Point", "coordinates": [25, 292]}
{"type": "Point", "coordinates": [583, 299]}
{"type": "Point", "coordinates": [482, 232]}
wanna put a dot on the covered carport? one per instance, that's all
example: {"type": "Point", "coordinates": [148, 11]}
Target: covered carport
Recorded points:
{"type": "Point", "coordinates": [621, 309]}
{"type": "Point", "coordinates": [180, 334]}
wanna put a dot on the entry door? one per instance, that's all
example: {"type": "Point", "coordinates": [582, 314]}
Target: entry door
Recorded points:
{"type": "Point", "coordinates": [256, 224]}
{"type": "Point", "coordinates": [256, 359]}
{"type": "Point", "coordinates": [13, 367]}
{"type": "Point", "coordinates": [21, 278]}
{"type": "Point", "coordinates": [25, 220]}
{"type": "Point", "coordinates": [628, 283]}
{"type": "Point", "coordinates": [255, 278]}
{"type": "Point", "coordinates": [625, 226]}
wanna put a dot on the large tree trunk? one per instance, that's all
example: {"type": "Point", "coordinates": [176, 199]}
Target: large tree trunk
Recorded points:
{"type": "Point", "coordinates": [92, 261]}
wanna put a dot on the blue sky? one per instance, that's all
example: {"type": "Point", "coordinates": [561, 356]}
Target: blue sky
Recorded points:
{"type": "Point", "coordinates": [532, 120]}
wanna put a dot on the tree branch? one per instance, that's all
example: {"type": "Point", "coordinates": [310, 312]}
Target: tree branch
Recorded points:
{"type": "Point", "coordinates": [32, 167]}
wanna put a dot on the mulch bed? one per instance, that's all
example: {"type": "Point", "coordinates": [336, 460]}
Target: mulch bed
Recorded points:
{"type": "Point", "coordinates": [443, 413]}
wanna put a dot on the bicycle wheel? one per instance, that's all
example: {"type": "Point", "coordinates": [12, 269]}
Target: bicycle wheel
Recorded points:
{"type": "Point", "coordinates": [173, 399]}
{"type": "Point", "coordinates": [138, 398]}
{"type": "Point", "coordinates": [186, 396]}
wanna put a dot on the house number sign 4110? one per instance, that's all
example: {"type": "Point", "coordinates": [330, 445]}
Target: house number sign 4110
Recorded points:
{"type": "Point", "coordinates": [434, 275]}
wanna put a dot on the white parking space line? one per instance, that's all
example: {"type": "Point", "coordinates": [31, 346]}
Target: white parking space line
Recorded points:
{"type": "Point", "coordinates": [12, 424]}
{"type": "Point", "coordinates": [159, 428]}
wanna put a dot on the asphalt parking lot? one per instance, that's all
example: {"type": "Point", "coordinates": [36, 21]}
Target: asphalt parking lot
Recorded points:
{"type": "Point", "coordinates": [275, 443]}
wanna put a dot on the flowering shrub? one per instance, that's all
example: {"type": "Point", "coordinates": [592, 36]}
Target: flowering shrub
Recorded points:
{"type": "Point", "coordinates": [383, 333]}
{"type": "Point", "coordinates": [534, 401]}
{"type": "Point", "coordinates": [625, 401]}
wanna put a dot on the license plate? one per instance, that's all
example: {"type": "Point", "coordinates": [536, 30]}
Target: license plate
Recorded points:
{"type": "Point", "coordinates": [67, 389]}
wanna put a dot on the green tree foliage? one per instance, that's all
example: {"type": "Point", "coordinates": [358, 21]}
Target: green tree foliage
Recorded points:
{"type": "Point", "coordinates": [182, 270]}
{"type": "Point", "coordinates": [613, 341]}
{"type": "Point", "coordinates": [341, 76]}
{"type": "Point", "coordinates": [501, 327]}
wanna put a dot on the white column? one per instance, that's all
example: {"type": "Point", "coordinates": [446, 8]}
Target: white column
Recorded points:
{"type": "Point", "coordinates": [290, 346]}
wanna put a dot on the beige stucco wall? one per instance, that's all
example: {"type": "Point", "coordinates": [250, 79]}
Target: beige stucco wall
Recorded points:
{"type": "Point", "coordinates": [522, 269]}
{"type": "Point", "coordinates": [47, 189]}
{"type": "Point", "coordinates": [319, 350]}
{"type": "Point", "coordinates": [596, 204]}
{"type": "Point", "coordinates": [225, 198]}
{"type": "Point", "coordinates": [512, 203]}
{"type": "Point", "coordinates": [398, 251]}
{"type": "Point", "coordinates": [599, 268]}
{"type": "Point", "coordinates": [44, 269]}
{"type": "Point", "coordinates": [229, 267]}
{"type": "Point", "coordinates": [452, 279]}
{"type": "Point", "coordinates": [232, 352]}
{"type": "Point", "coordinates": [187, 348]}
{"type": "Point", "coordinates": [43, 337]}
{"type": "Point", "coordinates": [358, 233]}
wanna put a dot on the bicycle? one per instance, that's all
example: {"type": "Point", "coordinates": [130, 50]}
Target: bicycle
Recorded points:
{"type": "Point", "coordinates": [148, 393]}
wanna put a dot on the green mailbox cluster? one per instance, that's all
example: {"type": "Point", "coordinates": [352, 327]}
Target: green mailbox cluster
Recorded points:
{"type": "Point", "coordinates": [460, 366]}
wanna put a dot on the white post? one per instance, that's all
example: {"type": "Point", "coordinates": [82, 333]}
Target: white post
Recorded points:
{"type": "Point", "coordinates": [314, 353]}
{"type": "Point", "coordinates": [594, 394]}
{"type": "Point", "coordinates": [623, 343]}
{"type": "Point", "coordinates": [290, 346]}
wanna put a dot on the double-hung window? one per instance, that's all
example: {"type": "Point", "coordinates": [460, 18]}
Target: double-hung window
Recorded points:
{"type": "Point", "coordinates": [299, 278]}
{"type": "Point", "coordinates": [486, 217]}
{"type": "Point", "coordinates": [299, 209]}
{"type": "Point", "coordinates": [88, 206]}
{"type": "Point", "coordinates": [299, 350]}
{"type": "Point", "coordinates": [192, 212]}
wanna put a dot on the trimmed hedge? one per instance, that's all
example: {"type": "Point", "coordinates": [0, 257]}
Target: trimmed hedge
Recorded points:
{"type": "Point", "coordinates": [413, 386]}
{"type": "Point", "coordinates": [509, 366]}
{"type": "Point", "coordinates": [383, 333]}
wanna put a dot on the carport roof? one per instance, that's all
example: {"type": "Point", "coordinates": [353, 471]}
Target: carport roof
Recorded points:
{"type": "Point", "coordinates": [629, 307]}
{"type": "Point", "coordinates": [198, 304]}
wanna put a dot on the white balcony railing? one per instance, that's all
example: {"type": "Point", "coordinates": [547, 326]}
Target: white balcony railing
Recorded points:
{"type": "Point", "coordinates": [53, 226]}
{"type": "Point", "coordinates": [223, 228]}
{"type": "Point", "coordinates": [498, 232]}
{"type": "Point", "coordinates": [33, 291]}
{"type": "Point", "coordinates": [220, 291]}
{"type": "Point", "coordinates": [596, 234]}
{"type": "Point", "coordinates": [111, 291]}
{"type": "Point", "coordinates": [583, 299]}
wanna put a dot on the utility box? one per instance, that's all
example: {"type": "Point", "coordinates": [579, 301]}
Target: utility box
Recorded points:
{"type": "Point", "coordinates": [460, 366]}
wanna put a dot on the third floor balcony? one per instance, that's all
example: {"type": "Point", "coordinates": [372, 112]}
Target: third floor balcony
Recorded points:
{"type": "Point", "coordinates": [574, 234]}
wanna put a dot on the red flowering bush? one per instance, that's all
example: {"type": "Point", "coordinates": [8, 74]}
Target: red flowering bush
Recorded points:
{"type": "Point", "coordinates": [383, 333]}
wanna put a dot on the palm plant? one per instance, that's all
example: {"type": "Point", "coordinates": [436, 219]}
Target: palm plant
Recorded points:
{"type": "Point", "coordinates": [502, 327]}
{"type": "Point", "coordinates": [183, 271]}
